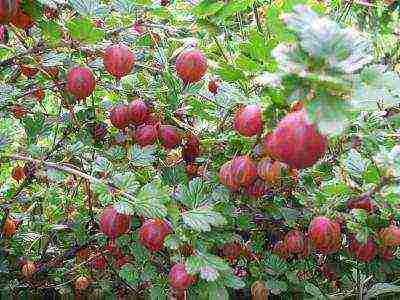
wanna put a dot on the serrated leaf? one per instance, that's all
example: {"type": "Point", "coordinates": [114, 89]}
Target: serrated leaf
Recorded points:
{"type": "Point", "coordinates": [344, 49]}
{"type": "Point", "coordinates": [208, 273]}
{"type": "Point", "coordinates": [89, 7]}
{"type": "Point", "coordinates": [127, 182]}
{"type": "Point", "coordinates": [275, 286]}
{"type": "Point", "coordinates": [329, 113]}
{"type": "Point", "coordinates": [201, 219]}
{"type": "Point", "coordinates": [52, 59]}
{"type": "Point", "coordinates": [194, 264]}
{"type": "Point", "coordinates": [313, 290]}
{"type": "Point", "coordinates": [124, 208]}
{"type": "Point", "coordinates": [216, 291]}
{"type": "Point", "coordinates": [150, 201]}
{"type": "Point", "coordinates": [129, 273]}
{"type": "Point", "coordinates": [194, 194]}
{"type": "Point", "coordinates": [233, 281]}
{"type": "Point", "coordinates": [355, 164]}
{"type": "Point", "coordinates": [382, 288]}
{"type": "Point", "coordinates": [207, 8]}
{"type": "Point", "coordinates": [83, 30]}
{"type": "Point", "coordinates": [102, 164]}
{"type": "Point", "coordinates": [142, 156]}
{"type": "Point", "coordinates": [52, 32]}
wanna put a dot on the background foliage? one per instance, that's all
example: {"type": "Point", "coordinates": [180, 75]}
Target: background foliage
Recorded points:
{"type": "Point", "coordinates": [340, 58]}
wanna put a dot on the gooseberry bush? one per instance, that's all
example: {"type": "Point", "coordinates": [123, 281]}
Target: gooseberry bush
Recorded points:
{"type": "Point", "coordinates": [199, 149]}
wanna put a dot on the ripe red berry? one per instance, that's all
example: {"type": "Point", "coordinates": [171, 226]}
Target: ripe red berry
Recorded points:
{"type": "Point", "coordinates": [179, 279]}
{"type": "Point", "coordinates": [118, 60]}
{"type": "Point", "coordinates": [80, 82]}
{"type": "Point", "coordinates": [281, 249]}
{"type": "Point", "coordinates": [244, 170]}
{"type": "Point", "coordinates": [191, 149]}
{"type": "Point", "coordinates": [8, 9]}
{"type": "Point", "coordinates": [169, 136]}
{"type": "Point", "coordinates": [18, 173]}
{"type": "Point", "coordinates": [191, 170]}
{"type": "Point", "coordinates": [307, 248]}
{"type": "Point", "coordinates": [294, 241]}
{"type": "Point", "coordinates": [390, 236]}
{"type": "Point", "coordinates": [270, 171]}
{"type": "Point", "coordinates": [191, 66]}
{"type": "Point", "coordinates": [386, 253]}
{"type": "Point", "coordinates": [18, 111]}
{"type": "Point", "coordinates": [119, 116]}
{"type": "Point", "coordinates": [4, 36]}
{"type": "Point", "coordinates": [248, 120]}
{"type": "Point", "coordinates": [231, 251]}
{"type": "Point", "coordinates": [120, 262]}
{"type": "Point", "coordinates": [39, 94]}
{"type": "Point", "coordinates": [364, 202]}
{"type": "Point", "coordinates": [29, 71]}
{"type": "Point", "coordinates": [99, 262]}
{"type": "Point", "coordinates": [213, 86]}
{"type": "Point", "coordinates": [152, 234]}
{"type": "Point", "coordinates": [325, 235]}
{"type": "Point", "coordinates": [82, 283]}
{"type": "Point", "coordinates": [137, 112]}
{"type": "Point", "coordinates": [9, 228]}
{"type": "Point", "coordinates": [296, 106]}
{"type": "Point", "coordinates": [296, 142]}
{"type": "Point", "coordinates": [226, 176]}
{"type": "Point", "coordinates": [28, 269]}
{"type": "Point", "coordinates": [50, 13]}
{"type": "Point", "coordinates": [145, 135]}
{"type": "Point", "coordinates": [257, 189]}
{"type": "Point", "coordinates": [98, 131]}
{"type": "Point", "coordinates": [113, 249]}
{"type": "Point", "coordinates": [366, 252]}
{"type": "Point", "coordinates": [22, 20]}
{"type": "Point", "coordinates": [114, 224]}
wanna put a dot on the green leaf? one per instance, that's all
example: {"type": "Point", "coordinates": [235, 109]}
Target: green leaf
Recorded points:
{"type": "Point", "coordinates": [382, 288]}
{"type": "Point", "coordinates": [207, 8]}
{"type": "Point", "coordinates": [201, 219]}
{"type": "Point", "coordinates": [216, 291]}
{"type": "Point", "coordinates": [194, 194]}
{"type": "Point", "coordinates": [275, 286]}
{"type": "Point", "coordinates": [194, 264]}
{"type": "Point", "coordinates": [329, 113]}
{"type": "Point", "coordinates": [233, 281]}
{"type": "Point", "coordinates": [89, 7]}
{"type": "Point", "coordinates": [355, 164]}
{"type": "Point", "coordinates": [230, 74]}
{"type": "Point", "coordinates": [102, 164]}
{"type": "Point", "coordinates": [150, 201]}
{"type": "Point", "coordinates": [83, 30]}
{"type": "Point", "coordinates": [314, 291]}
{"type": "Point", "coordinates": [216, 262]}
{"type": "Point", "coordinates": [124, 208]}
{"type": "Point", "coordinates": [233, 7]}
{"type": "Point", "coordinates": [126, 182]}
{"type": "Point", "coordinates": [52, 59]}
{"type": "Point", "coordinates": [344, 50]}
{"type": "Point", "coordinates": [129, 273]}
{"type": "Point", "coordinates": [142, 156]}
{"type": "Point", "coordinates": [172, 242]}
{"type": "Point", "coordinates": [247, 64]}
{"type": "Point", "coordinates": [376, 89]}
{"type": "Point", "coordinates": [52, 32]}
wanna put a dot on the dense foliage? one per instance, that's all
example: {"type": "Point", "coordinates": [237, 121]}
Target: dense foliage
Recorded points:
{"type": "Point", "coordinates": [200, 149]}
